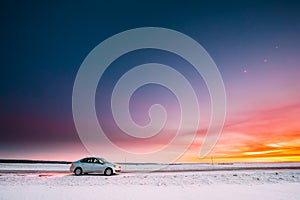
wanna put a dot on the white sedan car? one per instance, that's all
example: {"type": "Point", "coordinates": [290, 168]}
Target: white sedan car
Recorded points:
{"type": "Point", "coordinates": [94, 165]}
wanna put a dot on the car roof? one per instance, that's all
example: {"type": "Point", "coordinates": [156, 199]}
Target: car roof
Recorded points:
{"type": "Point", "coordinates": [91, 157]}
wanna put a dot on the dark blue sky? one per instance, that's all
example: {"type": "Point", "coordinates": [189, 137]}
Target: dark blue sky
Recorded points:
{"type": "Point", "coordinates": [44, 43]}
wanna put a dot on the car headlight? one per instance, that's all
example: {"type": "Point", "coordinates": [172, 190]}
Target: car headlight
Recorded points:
{"type": "Point", "coordinates": [117, 166]}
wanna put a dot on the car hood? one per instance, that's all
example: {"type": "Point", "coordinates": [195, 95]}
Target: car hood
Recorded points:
{"type": "Point", "coordinates": [110, 164]}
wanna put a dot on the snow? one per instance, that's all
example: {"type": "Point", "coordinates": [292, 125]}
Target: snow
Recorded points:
{"type": "Point", "coordinates": [182, 181]}
{"type": "Point", "coordinates": [207, 167]}
{"type": "Point", "coordinates": [29, 167]}
{"type": "Point", "coordinates": [136, 167]}
{"type": "Point", "coordinates": [224, 192]}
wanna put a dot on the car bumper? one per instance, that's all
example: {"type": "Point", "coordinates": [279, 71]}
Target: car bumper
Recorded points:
{"type": "Point", "coordinates": [72, 168]}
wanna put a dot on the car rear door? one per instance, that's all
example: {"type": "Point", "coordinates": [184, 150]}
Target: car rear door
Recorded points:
{"type": "Point", "coordinates": [87, 165]}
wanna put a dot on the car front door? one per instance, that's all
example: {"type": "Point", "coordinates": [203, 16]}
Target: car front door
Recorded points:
{"type": "Point", "coordinates": [99, 165]}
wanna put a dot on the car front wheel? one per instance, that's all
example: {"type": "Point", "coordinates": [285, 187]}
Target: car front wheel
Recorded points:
{"type": "Point", "coordinates": [108, 172]}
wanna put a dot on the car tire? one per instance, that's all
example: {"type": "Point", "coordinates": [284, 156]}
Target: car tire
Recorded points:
{"type": "Point", "coordinates": [108, 172]}
{"type": "Point", "coordinates": [78, 171]}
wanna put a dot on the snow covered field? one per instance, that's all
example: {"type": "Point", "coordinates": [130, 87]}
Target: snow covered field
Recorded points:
{"type": "Point", "coordinates": [184, 181]}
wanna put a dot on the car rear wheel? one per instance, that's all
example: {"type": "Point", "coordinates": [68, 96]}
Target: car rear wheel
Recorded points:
{"type": "Point", "coordinates": [108, 172]}
{"type": "Point", "coordinates": [78, 171]}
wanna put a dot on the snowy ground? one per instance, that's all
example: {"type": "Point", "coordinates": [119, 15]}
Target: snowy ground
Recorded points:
{"type": "Point", "coordinates": [187, 181]}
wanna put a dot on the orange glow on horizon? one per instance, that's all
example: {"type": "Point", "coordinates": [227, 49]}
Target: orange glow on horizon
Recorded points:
{"type": "Point", "coordinates": [264, 136]}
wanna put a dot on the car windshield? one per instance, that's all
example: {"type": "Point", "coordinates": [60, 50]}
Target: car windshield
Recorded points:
{"type": "Point", "coordinates": [102, 160]}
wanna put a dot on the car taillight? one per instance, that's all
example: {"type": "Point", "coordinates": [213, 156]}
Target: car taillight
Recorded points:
{"type": "Point", "coordinates": [72, 164]}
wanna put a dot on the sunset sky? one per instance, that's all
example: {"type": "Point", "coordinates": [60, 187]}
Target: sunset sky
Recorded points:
{"type": "Point", "coordinates": [255, 45]}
